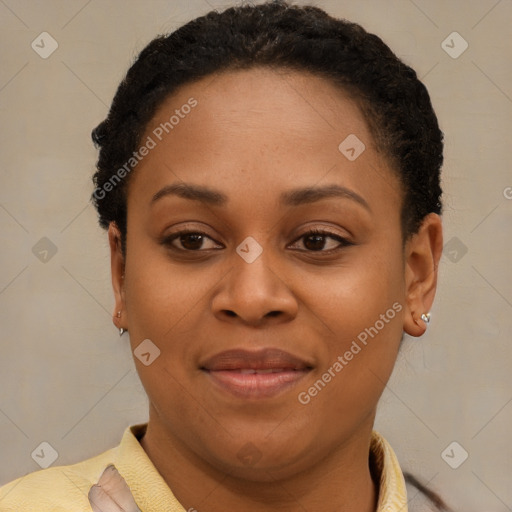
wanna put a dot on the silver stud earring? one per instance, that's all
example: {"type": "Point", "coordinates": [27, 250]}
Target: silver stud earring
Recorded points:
{"type": "Point", "coordinates": [426, 318]}
{"type": "Point", "coordinates": [118, 314]}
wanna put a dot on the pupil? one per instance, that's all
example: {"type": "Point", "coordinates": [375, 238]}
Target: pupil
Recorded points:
{"type": "Point", "coordinates": [196, 241]}
{"type": "Point", "coordinates": [318, 242]}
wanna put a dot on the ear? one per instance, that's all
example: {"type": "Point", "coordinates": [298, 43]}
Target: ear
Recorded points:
{"type": "Point", "coordinates": [422, 254]}
{"type": "Point", "coordinates": [117, 269]}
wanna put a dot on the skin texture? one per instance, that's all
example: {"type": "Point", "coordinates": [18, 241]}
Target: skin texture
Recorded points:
{"type": "Point", "coordinates": [253, 135]}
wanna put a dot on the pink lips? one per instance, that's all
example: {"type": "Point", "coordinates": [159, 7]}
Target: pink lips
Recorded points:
{"type": "Point", "coordinates": [255, 374]}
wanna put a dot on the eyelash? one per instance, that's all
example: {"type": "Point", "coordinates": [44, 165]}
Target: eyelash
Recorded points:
{"type": "Point", "coordinates": [167, 241]}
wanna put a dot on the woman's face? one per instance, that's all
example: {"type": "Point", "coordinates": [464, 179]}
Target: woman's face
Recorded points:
{"type": "Point", "coordinates": [275, 343]}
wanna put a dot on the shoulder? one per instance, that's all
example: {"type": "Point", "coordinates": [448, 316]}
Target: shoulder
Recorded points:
{"type": "Point", "coordinates": [56, 489]}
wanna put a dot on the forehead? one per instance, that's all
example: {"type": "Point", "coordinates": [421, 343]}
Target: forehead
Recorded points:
{"type": "Point", "coordinates": [293, 102]}
{"type": "Point", "coordinates": [260, 127]}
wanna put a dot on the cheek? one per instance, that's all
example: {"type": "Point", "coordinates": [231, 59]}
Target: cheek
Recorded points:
{"type": "Point", "coordinates": [352, 297]}
{"type": "Point", "coordinates": [161, 297]}
{"type": "Point", "coordinates": [361, 354]}
{"type": "Point", "coordinates": [361, 309]}
{"type": "Point", "coordinates": [161, 301]}
{"type": "Point", "coordinates": [161, 304]}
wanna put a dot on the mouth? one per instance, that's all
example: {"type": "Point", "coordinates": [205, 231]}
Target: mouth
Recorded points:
{"type": "Point", "coordinates": [264, 373]}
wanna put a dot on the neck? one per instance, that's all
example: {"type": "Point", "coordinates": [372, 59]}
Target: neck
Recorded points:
{"type": "Point", "coordinates": [340, 482]}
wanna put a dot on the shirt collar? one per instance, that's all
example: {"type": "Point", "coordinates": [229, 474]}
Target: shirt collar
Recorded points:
{"type": "Point", "coordinates": [385, 467]}
{"type": "Point", "coordinates": [149, 489]}
{"type": "Point", "coordinates": [152, 494]}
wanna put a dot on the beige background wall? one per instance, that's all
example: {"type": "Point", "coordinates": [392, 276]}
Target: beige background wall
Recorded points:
{"type": "Point", "coordinates": [65, 375]}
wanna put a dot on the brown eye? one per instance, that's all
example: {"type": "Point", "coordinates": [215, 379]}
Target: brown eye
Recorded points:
{"type": "Point", "coordinates": [189, 241]}
{"type": "Point", "coordinates": [316, 241]}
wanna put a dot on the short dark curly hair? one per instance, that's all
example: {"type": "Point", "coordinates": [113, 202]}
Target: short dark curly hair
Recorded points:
{"type": "Point", "coordinates": [395, 103]}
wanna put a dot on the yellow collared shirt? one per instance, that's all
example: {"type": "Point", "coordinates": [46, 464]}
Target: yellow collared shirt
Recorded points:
{"type": "Point", "coordinates": [66, 488]}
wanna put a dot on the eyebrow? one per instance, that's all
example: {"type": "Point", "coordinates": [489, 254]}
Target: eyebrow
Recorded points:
{"type": "Point", "coordinates": [294, 197]}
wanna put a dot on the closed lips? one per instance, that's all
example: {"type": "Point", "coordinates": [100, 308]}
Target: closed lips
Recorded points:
{"type": "Point", "coordinates": [250, 375]}
{"type": "Point", "coordinates": [269, 360]}
{"type": "Point", "coordinates": [268, 370]}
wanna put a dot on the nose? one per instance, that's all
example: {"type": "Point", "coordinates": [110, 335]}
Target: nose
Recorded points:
{"type": "Point", "coordinates": [254, 293]}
